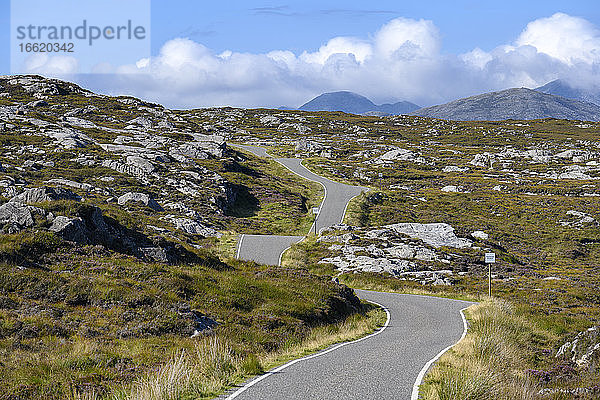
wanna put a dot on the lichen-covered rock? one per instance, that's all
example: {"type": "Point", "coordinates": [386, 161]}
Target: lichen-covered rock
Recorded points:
{"type": "Point", "coordinates": [139, 198]}
{"type": "Point", "coordinates": [15, 217]}
{"type": "Point", "coordinates": [584, 349]}
{"type": "Point", "coordinates": [44, 193]}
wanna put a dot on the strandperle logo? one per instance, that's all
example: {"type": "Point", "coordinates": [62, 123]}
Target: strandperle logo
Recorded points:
{"type": "Point", "coordinates": [85, 31]}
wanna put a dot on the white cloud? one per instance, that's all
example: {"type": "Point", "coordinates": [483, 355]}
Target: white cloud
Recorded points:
{"type": "Point", "coordinates": [41, 63]}
{"type": "Point", "coordinates": [407, 38]}
{"type": "Point", "coordinates": [400, 61]}
{"type": "Point", "coordinates": [569, 39]}
{"type": "Point", "coordinates": [360, 50]}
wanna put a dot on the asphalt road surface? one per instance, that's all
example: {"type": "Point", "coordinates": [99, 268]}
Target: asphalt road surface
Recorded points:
{"type": "Point", "coordinates": [267, 249]}
{"type": "Point", "coordinates": [264, 249]}
{"type": "Point", "coordinates": [382, 366]}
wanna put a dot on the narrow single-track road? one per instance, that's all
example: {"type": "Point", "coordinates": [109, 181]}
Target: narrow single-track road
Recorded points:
{"type": "Point", "coordinates": [388, 364]}
{"type": "Point", "coordinates": [382, 366]}
{"type": "Point", "coordinates": [267, 249]}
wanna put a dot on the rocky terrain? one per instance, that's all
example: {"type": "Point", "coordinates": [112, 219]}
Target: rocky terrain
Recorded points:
{"type": "Point", "coordinates": [118, 224]}
{"type": "Point", "coordinates": [120, 218]}
{"type": "Point", "coordinates": [356, 104]}
{"type": "Point", "coordinates": [518, 104]}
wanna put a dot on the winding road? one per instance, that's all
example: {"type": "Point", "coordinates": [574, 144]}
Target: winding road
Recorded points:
{"type": "Point", "coordinates": [388, 364]}
{"type": "Point", "coordinates": [267, 249]}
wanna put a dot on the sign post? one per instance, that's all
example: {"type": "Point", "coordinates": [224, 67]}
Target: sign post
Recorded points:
{"type": "Point", "coordinates": [490, 258]}
{"type": "Point", "coordinates": [315, 211]}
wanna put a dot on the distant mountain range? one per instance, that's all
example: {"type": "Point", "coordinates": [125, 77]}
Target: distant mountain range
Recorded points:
{"type": "Point", "coordinates": [518, 104]}
{"type": "Point", "coordinates": [557, 99]}
{"type": "Point", "coordinates": [562, 88]}
{"type": "Point", "coordinates": [356, 104]}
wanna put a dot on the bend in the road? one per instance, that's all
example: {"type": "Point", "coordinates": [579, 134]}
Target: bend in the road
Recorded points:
{"type": "Point", "coordinates": [331, 212]}
{"type": "Point", "coordinates": [383, 365]}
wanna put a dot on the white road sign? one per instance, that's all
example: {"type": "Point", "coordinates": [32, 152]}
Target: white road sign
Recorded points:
{"type": "Point", "coordinates": [490, 258]}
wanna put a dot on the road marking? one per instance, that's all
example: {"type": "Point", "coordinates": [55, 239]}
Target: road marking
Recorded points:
{"type": "Point", "coordinates": [348, 203]}
{"type": "Point", "coordinates": [287, 248]}
{"type": "Point", "coordinates": [419, 381]}
{"type": "Point", "coordinates": [312, 180]}
{"type": "Point", "coordinates": [289, 364]}
{"type": "Point", "coordinates": [237, 255]}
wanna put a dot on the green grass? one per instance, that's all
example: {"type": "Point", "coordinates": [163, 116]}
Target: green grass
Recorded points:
{"type": "Point", "coordinates": [95, 320]}
{"type": "Point", "coordinates": [501, 358]}
{"type": "Point", "coordinates": [272, 200]}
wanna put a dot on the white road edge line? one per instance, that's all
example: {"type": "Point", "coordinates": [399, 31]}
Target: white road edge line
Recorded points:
{"type": "Point", "coordinates": [289, 364]}
{"type": "Point", "coordinates": [421, 376]}
{"type": "Point", "coordinates": [239, 248]}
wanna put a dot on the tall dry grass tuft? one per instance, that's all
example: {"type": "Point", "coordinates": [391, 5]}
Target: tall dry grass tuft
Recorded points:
{"type": "Point", "coordinates": [170, 382]}
{"type": "Point", "coordinates": [214, 365]}
{"type": "Point", "coordinates": [488, 363]}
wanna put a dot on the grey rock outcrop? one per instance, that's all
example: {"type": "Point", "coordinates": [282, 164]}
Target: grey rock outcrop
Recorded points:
{"type": "Point", "coordinates": [139, 198]}
{"type": "Point", "coordinates": [203, 147]}
{"type": "Point", "coordinates": [584, 349]}
{"type": "Point", "coordinates": [192, 227]}
{"type": "Point", "coordinates": [15, 217]}
{"type": "Point", "coordinates": [45, 193]}
{"type": "Point", "coordinates": [72, 229]}
{"type": "Point", "coordinates": [436, 235]}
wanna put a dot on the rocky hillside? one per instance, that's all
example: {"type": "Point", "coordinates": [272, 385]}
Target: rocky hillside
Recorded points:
{"type": "Point", "coordinates": [518, 104]}
{"type": "Point", "coordinates": [564, 89]}
{"type": "Point", "coordinates": [119, 220]}
{"type": "Point", "coordinates": [118, 226]}
{"type": "Point", "coordinates": [356, 104]}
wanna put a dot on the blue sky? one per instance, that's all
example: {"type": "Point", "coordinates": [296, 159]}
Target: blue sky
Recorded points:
{"type": "Point", "coordinates": [189, 39]}
{"type": "Point", "coordinates": [264, 26]}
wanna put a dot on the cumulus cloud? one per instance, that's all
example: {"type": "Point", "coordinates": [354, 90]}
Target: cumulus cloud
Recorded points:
{"type": "Point", "coordinates": [41, 63]}
{"type": "Point", "coordinates": [400, 61]}
{"type": "Point", "coordinates": [569, 39]}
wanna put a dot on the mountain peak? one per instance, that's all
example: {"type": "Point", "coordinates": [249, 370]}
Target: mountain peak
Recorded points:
{"type": "Point", "coordinates": [354, 103]}
{"type": "Point", "coordinates": [562, 88]}
{"type": "Point", "coordinates": [517, 103]}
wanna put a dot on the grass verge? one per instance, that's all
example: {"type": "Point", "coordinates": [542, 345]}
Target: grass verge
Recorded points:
{"type": "Point", "coordinates": [498, 358]}
{"type": "Point", "coordinates": [212, 365]}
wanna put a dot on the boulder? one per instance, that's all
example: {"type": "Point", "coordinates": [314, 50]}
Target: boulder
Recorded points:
{"type": "Point", "coordinates": [15, 217]}
{"type": "Point", "coordinates": [70, 139]}
{"type": "Point", "coordinates": [481, 235]}
{"type": "Point", "coordinates": [399, 155]}
{"type": "Point", "coordinates": [44, 193]}
{"type": "Point", "coordinates": [72, 229]}
{"type": "Point", "coordinates": [192, 227]}
{"type": "Point", "coordinates": [202, 148]}
{"type": "Point", "coordinates": [270, 120]}
{"type": "Point", "coordinates": [141, 163]}
{"type": "Point", "coordinates": [451, 189]}
{"type": "Point", "coordinates": [66, 182]}
{"type": "Point", "coordinates": [139, 198]}
{"type": "Point", "coordinates": [436, 235]}
{"type": "Point", "coordinates": [38, 103]}
{"type": "Point", "coordinates": [141, 121]}
{"type": "Point", "coordinates": [454, 168]}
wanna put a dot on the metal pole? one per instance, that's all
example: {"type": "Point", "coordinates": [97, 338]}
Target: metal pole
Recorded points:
{"type": "Point", "coordinates": [490, 280]}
